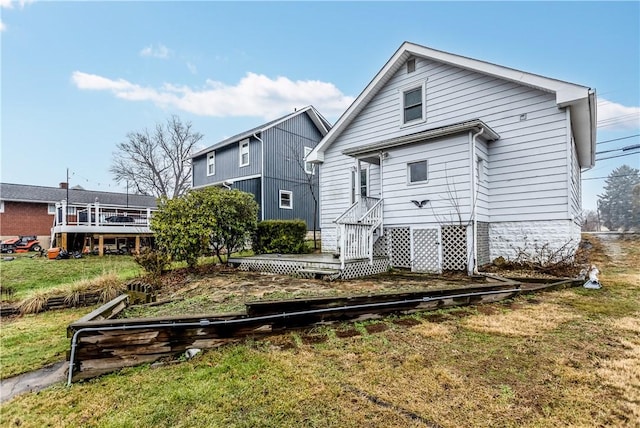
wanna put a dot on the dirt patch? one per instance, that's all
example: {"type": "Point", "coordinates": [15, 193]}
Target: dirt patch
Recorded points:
{"type": "Point", "coordinates": [313, 339]}
{"type": "Point", "coordinates": [376, 328]}
{"type": "Point", "coordinates": [351, 332]}
{"type": "Point", "coordinates": [406, 322]}
{"type": "Point", "coordinates": [215, 289]}
{"type": "Point", "coordinates": [487, 309]}
{"type": "Point", "coordinates": [436, 318]}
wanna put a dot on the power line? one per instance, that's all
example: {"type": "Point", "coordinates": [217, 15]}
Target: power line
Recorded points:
{"type": "Point", "coordinates": [618, 156]}
{"type": "Point", "coordinates": [618, 139]}
{"type": "Point", "coordinates": [624, 149]}
{"type": "Point", "coordinates": [608, 176]}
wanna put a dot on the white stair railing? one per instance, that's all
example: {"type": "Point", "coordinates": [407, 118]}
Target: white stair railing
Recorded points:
{"type": "Point", "coordinates": [356, 228]}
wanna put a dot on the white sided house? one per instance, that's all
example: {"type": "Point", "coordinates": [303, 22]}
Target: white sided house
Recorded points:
{"type": "Point", "coordinates": [445, 163]}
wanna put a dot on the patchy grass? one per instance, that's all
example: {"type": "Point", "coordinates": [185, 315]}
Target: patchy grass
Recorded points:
{"type": "Point", "coordinates": [568, 358]}
{"type": "Point", "coordinates": [26, 275]}
{"type": "Point", "coordinates": [31, 342]}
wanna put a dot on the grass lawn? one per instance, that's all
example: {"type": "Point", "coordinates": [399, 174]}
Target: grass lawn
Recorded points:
{"type": "Point", "coordinates": [566, 358]}
{"type": "Point", "coordinates": [34, 341]}
{"type": "Point", "coordinates": [26, 275]}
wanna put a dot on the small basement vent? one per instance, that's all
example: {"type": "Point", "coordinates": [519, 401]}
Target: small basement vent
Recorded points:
{"type": "Point", "coordinates": [411, 65]}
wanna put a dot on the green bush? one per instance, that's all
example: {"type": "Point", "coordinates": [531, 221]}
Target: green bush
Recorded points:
{"type": "Point", "coordinates": [280, 236]}
{"type": "Point", "coordinates": [152, 261]}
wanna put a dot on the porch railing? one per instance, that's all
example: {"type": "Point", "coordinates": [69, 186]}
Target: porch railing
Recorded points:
{"type": "Point", "coordinates": [356, 228]}
{"type": "Point", "coordinates": [97, 214]}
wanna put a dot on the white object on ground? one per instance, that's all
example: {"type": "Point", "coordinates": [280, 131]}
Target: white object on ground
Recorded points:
{"type": "Point", "coordinates": [593, 282]}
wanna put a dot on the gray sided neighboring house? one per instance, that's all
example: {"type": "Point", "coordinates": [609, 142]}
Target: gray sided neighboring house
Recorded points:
{"type": "Point", "coordinates": [268, 162]}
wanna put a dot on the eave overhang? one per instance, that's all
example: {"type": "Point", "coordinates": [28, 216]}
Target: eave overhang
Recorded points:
{"type": "Point", "coordinates": [473, 125]}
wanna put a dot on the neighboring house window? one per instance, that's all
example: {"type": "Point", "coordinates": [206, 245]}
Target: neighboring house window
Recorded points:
{"type": "Point", "coordinates": [286, 199]}
{"type": "Point", "coordinates": [364, 186]}
{"type": "Point", "coordinates": [244, 153]}
{"type": "Point", "coordinates": [308, 166]}
{"type": "Point", "coordinates": [51, 209]}
{"type": "Point", "coordinates": [1, 206]}
{"type": "Point", "coordinates": [211, 163]}
{"type": "Point", "coordinates": [417, 172]}
{"type": "Point", "coordinates": [413, 104]}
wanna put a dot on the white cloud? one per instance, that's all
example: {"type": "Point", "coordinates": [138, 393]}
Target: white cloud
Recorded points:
{"type": "Point", "coordinates": [160, 51]}
{"type": "Point", "coordinates": [8, 4]}
{"type": "Point", "coordinates": [192, 68]}
{"type": "Point", "coordinates": [614, 116]}
{"type": "Point", "coordinates": [254, 95]}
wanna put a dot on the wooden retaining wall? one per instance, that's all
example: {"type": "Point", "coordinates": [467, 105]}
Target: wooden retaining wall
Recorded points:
{"type": "Point", "coordinates": [105, 344]}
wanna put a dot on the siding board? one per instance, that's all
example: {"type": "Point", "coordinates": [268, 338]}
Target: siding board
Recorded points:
{"type": "Point", "coordinates": [525, 169]}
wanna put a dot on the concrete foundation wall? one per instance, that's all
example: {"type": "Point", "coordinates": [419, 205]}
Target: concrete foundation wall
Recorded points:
{"type": "Point", "coordinates": [506, 238]}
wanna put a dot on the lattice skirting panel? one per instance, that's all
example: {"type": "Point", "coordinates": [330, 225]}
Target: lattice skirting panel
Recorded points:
{"type": "Point", "coordinates": [274, 266]}
{"type": "Point", "coordinates": [353, 269]}
{"type": "Point", "coordinates": [381, 246]}
{"type": "Point", "coordinates": [363, 268]}
{"type": "Point", "coordinates": [454, 248]}
{"type": "Point", "coordinates": [400, 246]}
{"type": "Point", "coordinates": [426, 251]}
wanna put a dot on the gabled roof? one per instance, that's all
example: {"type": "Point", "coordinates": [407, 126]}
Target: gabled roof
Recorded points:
{"type": "Point", "coordinates": [50, 195]}
{"type": "Point", "coordinates": [580, 99]}
{"type": "Point", "coordinates": [321, 123]}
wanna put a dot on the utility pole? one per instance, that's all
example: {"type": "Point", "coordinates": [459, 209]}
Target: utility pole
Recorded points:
{"type": "Point", "coordinates": [66, 214]}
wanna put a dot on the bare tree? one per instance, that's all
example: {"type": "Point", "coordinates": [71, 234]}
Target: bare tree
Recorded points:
{"type": "Point", "coordinates": [157, 162]}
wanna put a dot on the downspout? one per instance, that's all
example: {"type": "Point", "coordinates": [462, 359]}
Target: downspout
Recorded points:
{"type": "Point", "coordinates": [382, 155]}
{"type": "Point", "coordinates": [255, 135]}
{"type": "Point", "coordinates": [474, 199]}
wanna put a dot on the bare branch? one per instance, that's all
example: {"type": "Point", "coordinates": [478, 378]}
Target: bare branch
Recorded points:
{"type": "Point", "coordinates": [157, 163]}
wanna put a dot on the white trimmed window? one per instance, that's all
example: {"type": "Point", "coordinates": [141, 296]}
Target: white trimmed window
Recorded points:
{"type": "Point", "coordinates": [413, 104]}
{"type": "Point", "coordinates": [308, 166]}
{"type": "Point", "coordinates": [211, 163]}
{"type": "Point", "coordinates": [417, 172]}
{"type": "Point", "coordinates": [1, 206]}
{"type": "Point", "coordinates": [286, 199]}
{"type": "Point", "coordinates": [244, 152]}
{"type": "Point", "coordinates": [51, 209]}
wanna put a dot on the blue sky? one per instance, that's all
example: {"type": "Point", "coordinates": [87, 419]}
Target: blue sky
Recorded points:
{"type": "Point", "coordinates": [78, 76]}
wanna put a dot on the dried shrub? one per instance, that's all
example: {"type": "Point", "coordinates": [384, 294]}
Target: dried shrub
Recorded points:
{"type": "Point", "coordinates": [153, 262]}
{"type": "Point", "coordinates": [33, 304]}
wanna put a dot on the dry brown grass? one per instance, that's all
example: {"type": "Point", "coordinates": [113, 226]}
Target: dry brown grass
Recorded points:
{"type": "Point", "coordinates": [530, 320]}
{"type": "Point", "coordinates": [623, 371]}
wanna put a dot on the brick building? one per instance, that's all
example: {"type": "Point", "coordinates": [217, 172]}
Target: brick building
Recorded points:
{"type": "Point", "coordinates": [31, 210]}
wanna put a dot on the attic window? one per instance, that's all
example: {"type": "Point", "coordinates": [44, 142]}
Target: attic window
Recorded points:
{"type": "Point", "coordinates": [412, 104]}
{"type": "Point", "coordinates": [411, 65]}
